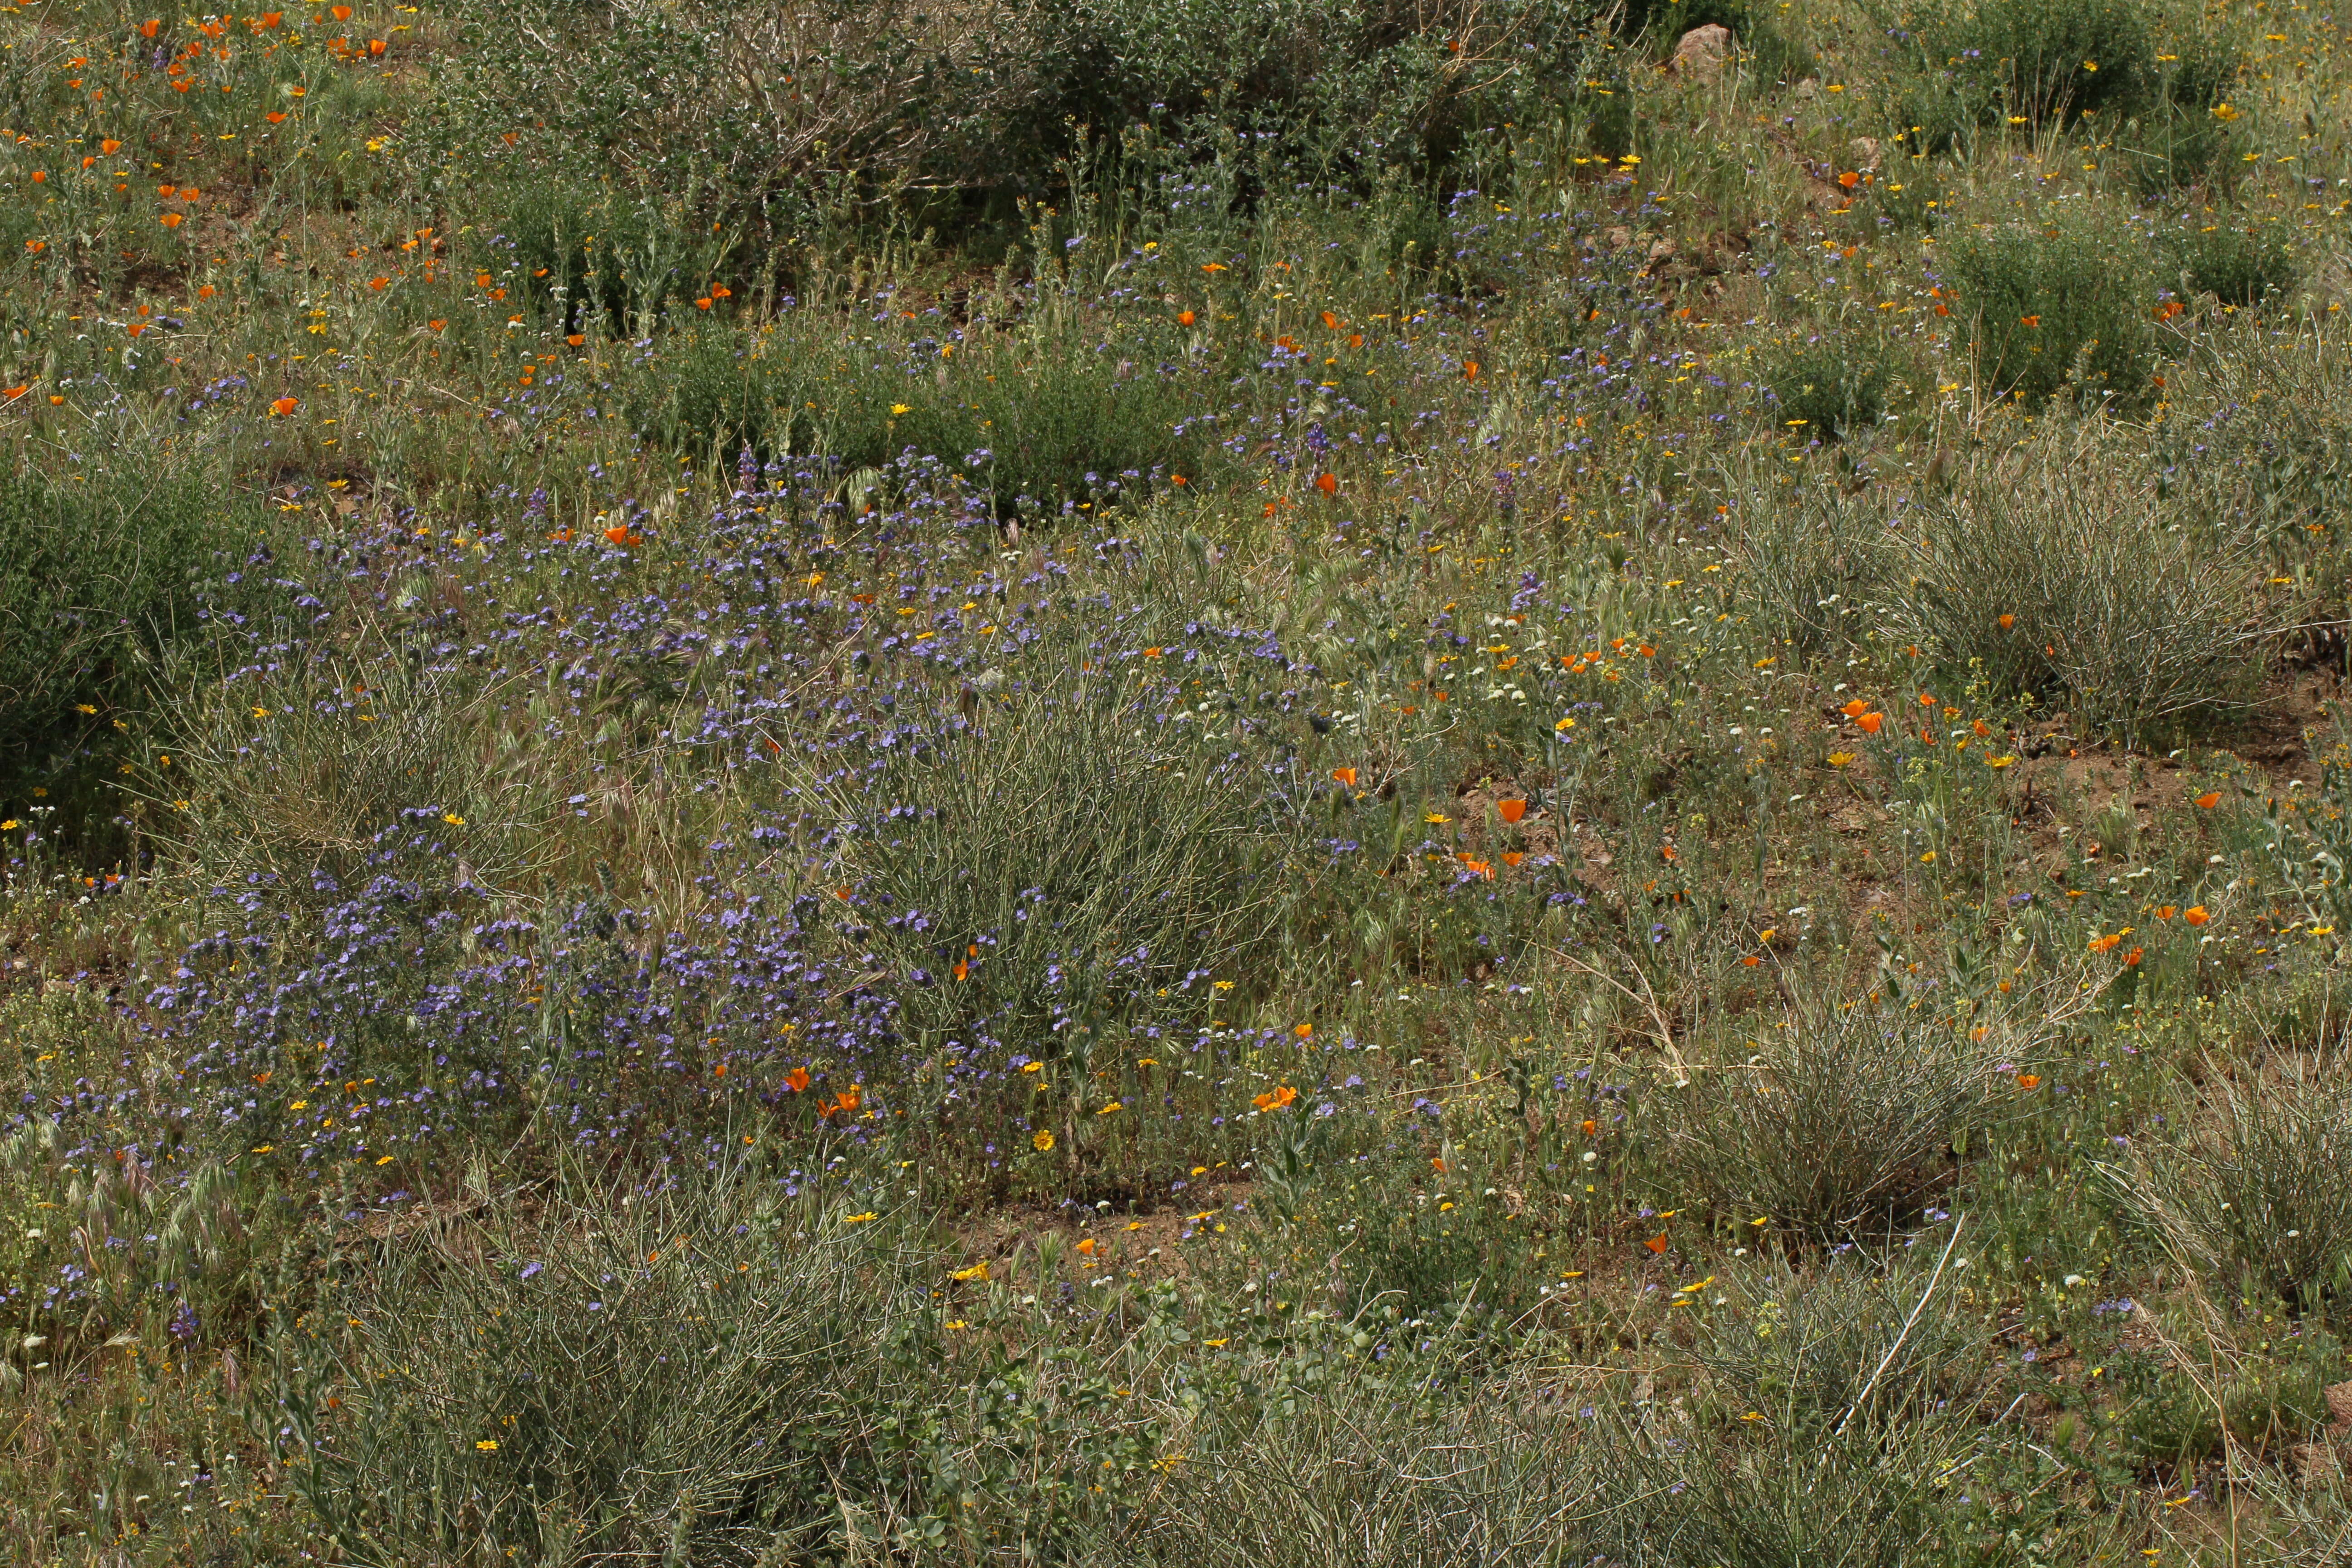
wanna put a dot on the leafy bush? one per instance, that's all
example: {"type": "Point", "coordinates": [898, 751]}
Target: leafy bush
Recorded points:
{"type": "Point", "coordinates": [2236, 265]}
{"type": "Point", "coordinates": [1042, 421]}
{"type": "Point", "coordinates": [2049, 580]}
{"type": "Point", "coordinates": [2257, 1190]}
{"type": "Point", "coordinates": [1834, 389]}
{"type": "Point", "coordinates": [1877, 1097]}
{"type": "Point", "coordinates": [2058, 304]}
{"type": "Point", "coordinates": [829, 108]}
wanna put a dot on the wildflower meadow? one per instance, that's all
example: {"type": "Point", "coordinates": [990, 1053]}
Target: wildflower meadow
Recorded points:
{"type": "Point", "coordinates": [1227, 783]}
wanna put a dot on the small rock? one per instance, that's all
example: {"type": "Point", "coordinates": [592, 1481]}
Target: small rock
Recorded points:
{"type": "Point", "coordinates": [1701, 53]}
{"type": "Point", "coordinates": [1865, 154]}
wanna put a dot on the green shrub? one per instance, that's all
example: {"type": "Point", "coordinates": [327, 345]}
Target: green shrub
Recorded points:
{"type": "Point", "coordinates": [2237, 266]}
{"type": "Point", "coordinates": [1043, 421]}
{"type": "Point", "coordinates": [2058, 304]}
{"type": "Point", "coordinates": [1878, 1095]}
{"type": "Point", "coordinates": [1835, 386]}
{"type": "Point", "coordinates": [97, 579]}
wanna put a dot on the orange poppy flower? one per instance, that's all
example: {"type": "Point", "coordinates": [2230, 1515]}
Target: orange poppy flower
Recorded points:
{"type": "Point", "coordinates": [576, 339]}
{"type": "Point", "coordinates": [1330, 320]}
{"type": "Point", "coordinates": [2029, 321]}
{"type": "Point", "coordinates": [376, 45]}
{"type": "Point", "coordinates": [110, 146]}
{"type": "Point", "coordinates": [283, 407]}
{"type": "Point", "coordinates": [1870, 722]}
{"type": "Point", "coordinates": [1328, 483]}
{"type": "Point", "coordinates": [1355, 340]}
{"type": "Point", "coordinates": [1512, 810]}
{"type": "Point", "coordinates": [1089, 1247]}
{"type": "Point", "coordinates": [276, 117]}
{"type": "Point", "coordinates": [1345, 775]}
{"type": "Point", "coordinates": [2166, 911]}
{"type": "Point", "coordinates": [1849, 179]}
{"type": "Point", "coordinates": [1750, 961]}
{"type": "Point", "coordinates": [206, 292]}
{"type": "Point", "coordinates": [2210, 799]}
{"type": "Point", "coordinates": [1981, 728]}
{"type": "Point", "coordinates": [1184, 318]}
{"type": "Point", "coordinates": [2029, 1080]}
{"type": "Point", "coordinates": [10, 394]}
{"type": "Point", "coordinates": [962, 968]}
{"type": "Point", "coordinates": [1656, 1243]}
{"type": "Point", "coordinates": [1855, 710]}
{"type": "Point", "coordinates": [1589, 1128]}
{"type": "Point", "coordinates": [379, 284]}
{"type": "Point", "coordinates": [620, 536]}
{"type": "Point", "coordinates": [851, 1096]}
{"type": "Point", "coordinates": [1304, 1031]}
{"type": "Point", "coordinates": [703, 303]}
{"type": "Point", "coordinates": [2195, 915]}
{"type": "Point", "coordinates": [1512, 857]}
{"type": "Point", "coordinates": [2007, 622]}
{"type": "Point", "coordinates": [1470, 371]}
{"type": "Point", "coordinates": [340, 13]}
{"type": "Point", "coordinates": [150, 27]}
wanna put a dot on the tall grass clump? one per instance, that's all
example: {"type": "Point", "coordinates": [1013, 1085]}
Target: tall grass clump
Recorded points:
{"type": "Point", "coordinates": [1068, 870]}
{"type": "Point", "coordinates": [1874, 1098]}
{"type": "Point", "coordinates": [671, 1374]}
{"type": "Point", "coordinates": [98, 580]}
{"type": "Point", "coordinates": [2253, 1191]}
{"type": "Point", "coordinates": [2056, 576]}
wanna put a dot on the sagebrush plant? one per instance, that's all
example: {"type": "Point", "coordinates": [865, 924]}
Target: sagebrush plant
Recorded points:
{"type": "Point", "coordinates": [1877, 1097]}
{"type": "Point", "coordinates": [2237, 266]}
{"type": "Point", "coordinates": [102, 576]}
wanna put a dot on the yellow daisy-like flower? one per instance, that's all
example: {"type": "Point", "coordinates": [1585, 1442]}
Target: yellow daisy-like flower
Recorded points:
{"type": "Point", "coordinates": [488, 1446]}
{"type": "Point", "coordinates": [860, 1218]}
{"type": "Point", "coordinates": [1438, 819]}
{"type": "Point", "coordinates": [898, 409]}
{"type": "Point", "coordinates": [1043, 1142]}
